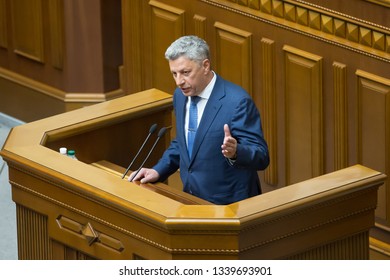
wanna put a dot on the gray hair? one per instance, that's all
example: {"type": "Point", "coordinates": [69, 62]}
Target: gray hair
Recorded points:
{"type": "Point", "coordinates": [192, 47]}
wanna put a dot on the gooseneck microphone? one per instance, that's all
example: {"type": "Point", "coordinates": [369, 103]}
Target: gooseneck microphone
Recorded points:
{"type": "Point", "coordinates": [160, 134]}
{"type": "Point", "coordinates": [151, 131]}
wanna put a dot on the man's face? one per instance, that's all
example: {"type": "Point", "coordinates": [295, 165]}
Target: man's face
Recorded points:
{"type": "Point", "coordinates": [189, 75]}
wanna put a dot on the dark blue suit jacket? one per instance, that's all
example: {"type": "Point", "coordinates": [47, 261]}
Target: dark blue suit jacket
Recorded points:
{"type": "Point", "coordinates": [208, 174]}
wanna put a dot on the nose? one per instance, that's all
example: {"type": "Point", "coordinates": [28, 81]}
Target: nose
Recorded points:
{"type": "Point", "coordinates": [179, 80]}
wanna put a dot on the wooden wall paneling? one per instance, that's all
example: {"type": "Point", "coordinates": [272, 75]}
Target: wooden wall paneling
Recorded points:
{"type": "Point", "coordinates": [200, 28]}
{"type": "Point", "coordinates": [33, 68]}
{"type": "Point", "coordinates": [132, 69]}
{"type": "Point", "coordinates": [352, 246]}
{"type": "Point", "coordinates": [304, 119]}
{"type": "Point", "coordinates": [268, 108]}
{"type": "Point", "coordinates": [167, 25]}
{"type": "Point", "coordinates": [39, 100]}
{"type": "Point", "coordinates": [84, 74]}
{"type": "Point", "coordinates": [3, 24]}
{"type": "Point", "coordinates": [33, 233]}
{"type": "Point", "coordinates": [234, 57]}
{"type": "Point", "coordinates": [57, 250]}
{"type": "Point", "coordinates": [320, 23]}
{"type": "Point", "coordinates": [385, 3]}
{"type": "Point", "coordinates": [340, 115]}
{"type": "Point", "coordinates": [374, 134]}
{"type": "Point", "coordinates": [53, 73]}
{"type": "Point", "coordinates": [387, 44]}
{"type": "Point", "coordinates": [27, 30]}
{"type": "Point", "coordinates": [112, 50]}
{"type": "Point", "coordinates": [56, 18]}
{"type": "Point", "coordinates": [60, 251]}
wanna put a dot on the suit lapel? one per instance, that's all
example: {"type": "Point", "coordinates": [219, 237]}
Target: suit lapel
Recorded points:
{"type": "Point", "coordinates": [181, 114]}
{"type": "Point", "coordinates": [210, 112]}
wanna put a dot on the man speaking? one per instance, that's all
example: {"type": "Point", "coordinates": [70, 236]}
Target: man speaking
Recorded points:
{"type": "Point", "coordinates": [219, 144]}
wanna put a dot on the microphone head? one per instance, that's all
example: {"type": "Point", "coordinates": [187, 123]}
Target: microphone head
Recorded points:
{"type": "Point", "coordinates": [162, 132]}
{"type": "Point", "coordinates": [153, 128]}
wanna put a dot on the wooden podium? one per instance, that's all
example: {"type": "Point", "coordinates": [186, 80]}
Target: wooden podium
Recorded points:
{"type": "Point", "coordinates": [68, 209]}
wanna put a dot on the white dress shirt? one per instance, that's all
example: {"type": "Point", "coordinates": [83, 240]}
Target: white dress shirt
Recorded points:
{"type": "Point", "coordinates": [204, 95]}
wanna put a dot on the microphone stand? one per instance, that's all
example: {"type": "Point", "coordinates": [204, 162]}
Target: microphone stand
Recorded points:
{"type": "Point", "coordinates": [160, 134]}
{"type": "Point", "coordinates": [151, 131]}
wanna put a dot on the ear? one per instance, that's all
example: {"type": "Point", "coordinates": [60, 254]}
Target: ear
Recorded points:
{"type": "Point", "coordinates": [206, 65]}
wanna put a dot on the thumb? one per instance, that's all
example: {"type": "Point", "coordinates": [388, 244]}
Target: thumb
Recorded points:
{"type": "Point", "coordinates": [143, 181]}
{"type": "Point", "coordinates": [226, 130]}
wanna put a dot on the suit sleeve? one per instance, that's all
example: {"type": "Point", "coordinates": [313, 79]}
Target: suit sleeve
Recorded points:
{"type": "Point", "coordinates": [170, 161]}
{"type": "Point", "coordinates": [252, 149]}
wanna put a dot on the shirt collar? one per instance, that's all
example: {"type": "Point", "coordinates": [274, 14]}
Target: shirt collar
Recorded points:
{"type": "Point", "coordinates": [209, 88]}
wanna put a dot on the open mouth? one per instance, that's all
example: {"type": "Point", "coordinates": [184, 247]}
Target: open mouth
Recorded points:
{"type": "Point", "coordinates": [186, 90]}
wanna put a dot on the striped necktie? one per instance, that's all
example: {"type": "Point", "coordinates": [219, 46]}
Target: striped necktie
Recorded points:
{"type": "Point", "coordinates": [193, 123]}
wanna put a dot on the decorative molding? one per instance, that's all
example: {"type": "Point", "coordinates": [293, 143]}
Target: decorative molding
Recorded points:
{"type": "Point", "coordinates": [89, 234]}
{"type": "Point", "coordinates": [200, 26]}
{"type": "Point", "coordinates": [131, 79]}
{"type": "Point", "coordinates": [315, 21]}
{"type": "Point", "coordinates": [385, 3]}
{"type": "Point", "coordinates": [159, 245]}
{"type": "Point", "coordinates": [340, 116]}
{"type": "Point", "coordinates": [82, 97]}
{"type": "Point", "coordinates": [32, 229]}
{"type": "Point", "coordinates": [374, 133]}
{"type": "Point", "coordinates": [351, 246]}
{"type": "Point", "coordinates": [56, 12]}
{"type": "Point", "coordinates": [311, 227]}
{"type": "Point", "coordinates": [76, 227]}
{"type": "Point", "coordinates": [27, 28]}
{"type": "Point", "coordinates": [380, 247]}
{"type": "Point", "coordinates": [167, 24]}
{"type": "Point", "coordinates": [304, 115]}
{"type": "Point", "coordinates": [235, 44]}
{"type": "Point", "coordinates": [269, 111]}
